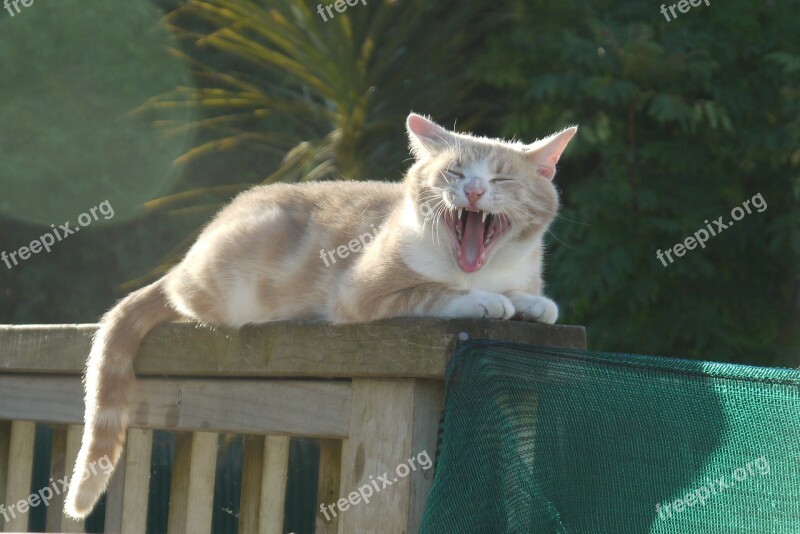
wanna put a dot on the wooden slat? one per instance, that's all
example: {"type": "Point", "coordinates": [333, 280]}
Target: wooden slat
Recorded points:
{"type": "Point", "coordinates": [395, 348]}
{"type": "Point", "coordinates": [179, 485]}
{"type": "Point", "coordinates": [330, 463]}
{"type": "Point", "coordinates": [192, 490]}
{"type": "Point", "coordinates": [127, 495]}
{"type": "Point", "coordinates": [5, 442]}
{"type": "Point", "coordinates": [202, 473]}
{"type": "Point", "coordinates": [137, 481]}
{"type": "Point", "coordinates": [306, 408]}
{"type": "Point", "coordinates": [74, 434]}
{"type": "Point", "coordinates": [428, 406]}
{"type": "Point", "coordinates": [20, 472]}
{"type": "Point", "coordinates": [114, 496]}
{"type": "Point", "coordinates": [252, 469]}
{"type": "Point", "coordinates": [380, 440]}
{"type": "Point", "coordinates": [58, 459]}
{"type": "Point", "coordinates": [273, 484]}
{"type": "Point", "coordinates": [392, 422]}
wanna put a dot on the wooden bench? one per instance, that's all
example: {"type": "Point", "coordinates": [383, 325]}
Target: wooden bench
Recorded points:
{"type": "Point", "coordinates": [372, 394]}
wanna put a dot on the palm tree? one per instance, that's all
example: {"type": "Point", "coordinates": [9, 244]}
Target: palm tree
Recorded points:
{"type": "Point", "coordinates": [329, 97]}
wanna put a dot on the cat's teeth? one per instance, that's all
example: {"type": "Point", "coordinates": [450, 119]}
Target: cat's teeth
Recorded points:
{"type": "Point", "coordinates": [484, 216]}
{"type": "Point", "coordinates": [460, 211]}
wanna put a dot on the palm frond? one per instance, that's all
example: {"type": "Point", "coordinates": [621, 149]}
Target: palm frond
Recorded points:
{"type": "Point", "coordinates": [328, 97]}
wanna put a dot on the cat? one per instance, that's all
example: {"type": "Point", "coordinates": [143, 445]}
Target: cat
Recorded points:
{"type": "Point", "coordinates": [461, 236]}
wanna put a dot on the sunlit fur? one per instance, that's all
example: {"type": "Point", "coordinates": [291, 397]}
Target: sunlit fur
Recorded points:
{"type": "Point", "coordinates": [531, 201]}
{"type": "Point", "coordinates": [259, 260]}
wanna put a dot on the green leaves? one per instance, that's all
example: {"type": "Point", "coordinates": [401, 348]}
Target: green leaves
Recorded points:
{"type": "Point", "coordinates": [329, 98]}
{"type": "Point", "coordinates": [680, 122]}
{"type": "Point", "coordinates": [329, 85]}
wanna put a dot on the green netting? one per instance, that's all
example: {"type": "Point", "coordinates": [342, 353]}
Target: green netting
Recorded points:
{"type": "Point", "coordinates": [541, 440]}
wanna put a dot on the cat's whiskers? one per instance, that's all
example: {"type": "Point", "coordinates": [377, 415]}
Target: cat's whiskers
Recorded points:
{"type": "Point", "coordinates": [557, 216]}
{"type": "Point", "coordinates": [557, 239]}
{"type": "Point", "coordinates": [438, 211]}
{"type": "Point", "coordinates": [434, 213]}
{"type": "Point", "coordinates": [428, 196]}
{"type": "Point", "coordinates": [518, 214]}
{"type": "Point", "coordinates": [439, 214]}
{"type": "Point", "coordinates": [431, 210]}
{"type": "Point", "coordinates": [504, 226]}
{"type": "Point", "coordinates": [434, 189]}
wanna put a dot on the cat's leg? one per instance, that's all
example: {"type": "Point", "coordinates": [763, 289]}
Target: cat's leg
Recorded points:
{"type": "Point", "coordinates": [358, 302]}
{"type": "Point", "coordinates": [537, 308]}
{"type": "Point", "coordinates": [473, 303]}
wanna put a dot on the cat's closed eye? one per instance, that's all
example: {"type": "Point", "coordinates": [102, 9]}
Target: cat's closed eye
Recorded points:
{"type": "Point", "coordinates": [500, 179]}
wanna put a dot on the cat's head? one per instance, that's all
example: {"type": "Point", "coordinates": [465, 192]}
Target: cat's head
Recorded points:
{"type": "Point", "coordinates": [482, 194]}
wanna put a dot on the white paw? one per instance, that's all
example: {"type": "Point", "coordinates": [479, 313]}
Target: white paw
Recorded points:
{"type": "Point", "coordinates": [535, 308]}
{"type": "Point", "coordinates": [479, 304]}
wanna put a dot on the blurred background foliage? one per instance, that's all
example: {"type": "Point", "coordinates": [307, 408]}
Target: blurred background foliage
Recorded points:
{"type": "Point", "coordinates": [680, 122]}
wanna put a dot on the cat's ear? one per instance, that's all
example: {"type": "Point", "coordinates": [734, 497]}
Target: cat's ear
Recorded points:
{"type": "Point", "coordinates": [546, 152]}
{"type": "Point", "coordinates": [426, 136]}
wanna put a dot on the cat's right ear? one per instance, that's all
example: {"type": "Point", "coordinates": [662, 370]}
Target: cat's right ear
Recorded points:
{"type": "Point", "coordinates": [427, 137]}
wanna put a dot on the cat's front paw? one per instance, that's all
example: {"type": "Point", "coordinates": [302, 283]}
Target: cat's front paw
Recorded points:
{"type": "Point", "coordinates": [535, 308]}
{"type": "Point", "coordinates": [480, 304]}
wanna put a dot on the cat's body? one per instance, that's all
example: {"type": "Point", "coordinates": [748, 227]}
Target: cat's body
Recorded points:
{"type": "Point", "coordinates": [460, 237]}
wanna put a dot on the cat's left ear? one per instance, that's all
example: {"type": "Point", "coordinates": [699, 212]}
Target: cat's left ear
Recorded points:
{"type": "Point", "coordinates": [546, 152]}
{"type": "Point", "coordinates": [427, 137]}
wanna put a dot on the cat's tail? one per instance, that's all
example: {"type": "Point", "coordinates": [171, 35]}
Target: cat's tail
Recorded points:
{"type": "Point", "coordinates": [109, 384]}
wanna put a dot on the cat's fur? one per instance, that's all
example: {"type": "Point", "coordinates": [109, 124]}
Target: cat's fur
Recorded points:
{"type": "Point", "coordinates": [260, 260]}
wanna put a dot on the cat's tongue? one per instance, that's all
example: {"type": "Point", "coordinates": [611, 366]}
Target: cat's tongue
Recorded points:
{"type": "Point", "coordinates": [471, 251]}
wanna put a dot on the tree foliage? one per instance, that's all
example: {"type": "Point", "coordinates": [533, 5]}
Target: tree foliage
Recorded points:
{"type": "Point", "coordinates": [328, 97]}
{"type": "Point", "coordinates": [680, 121]}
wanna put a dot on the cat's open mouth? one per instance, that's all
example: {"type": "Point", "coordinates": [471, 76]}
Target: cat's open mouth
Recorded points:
{"type": "Point", "coordinates": [474, 234]}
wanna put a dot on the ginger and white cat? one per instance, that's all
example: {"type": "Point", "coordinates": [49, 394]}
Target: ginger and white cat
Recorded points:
{"type": "Point", "coordinates": [460, 237]}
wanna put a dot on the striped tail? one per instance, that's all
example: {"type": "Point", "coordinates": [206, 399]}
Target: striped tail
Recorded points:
{"type": "Point", "coordinates": [109, 386]}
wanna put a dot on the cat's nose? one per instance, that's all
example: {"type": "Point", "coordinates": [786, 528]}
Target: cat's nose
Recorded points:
{"type": "Point", "coordinates": [474, 192]}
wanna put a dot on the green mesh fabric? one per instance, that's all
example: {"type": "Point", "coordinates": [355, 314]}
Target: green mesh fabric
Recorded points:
{"type": "Point", "coordinates": [541, 440]}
